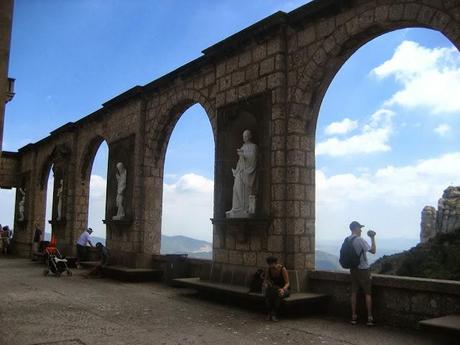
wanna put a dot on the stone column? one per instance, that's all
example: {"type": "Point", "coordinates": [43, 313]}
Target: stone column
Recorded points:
{"type": "Point", "coordinates": [6, 17]}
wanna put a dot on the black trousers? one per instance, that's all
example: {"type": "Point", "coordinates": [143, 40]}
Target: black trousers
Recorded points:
{"type": "Point", "coordinates": [273, 299]}
{"type": "Point", "coordinates": [81, 253]}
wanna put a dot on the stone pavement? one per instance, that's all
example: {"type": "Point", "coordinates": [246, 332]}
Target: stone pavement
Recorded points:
{"type": "Point", "coordinates": [73, 311]}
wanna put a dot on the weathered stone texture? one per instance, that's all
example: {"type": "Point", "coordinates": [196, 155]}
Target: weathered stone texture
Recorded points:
{"type": "Point", "coordinates": [290, 60]}
{"type": "Point", "coordinates": [9, 166]}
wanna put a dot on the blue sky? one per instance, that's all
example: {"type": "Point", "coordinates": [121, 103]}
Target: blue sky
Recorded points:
{"type": "Point", "coordinates": [387, 136]}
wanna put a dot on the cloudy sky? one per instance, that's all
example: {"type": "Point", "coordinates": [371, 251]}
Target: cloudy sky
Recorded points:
{"type": "Point", "coordinates": [387, 137]}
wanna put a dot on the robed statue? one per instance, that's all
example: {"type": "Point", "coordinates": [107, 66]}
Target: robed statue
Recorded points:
{"type": "Point", "coordinates": [244, 198]}
{"type": "Point", "coordinates": [121, 186]}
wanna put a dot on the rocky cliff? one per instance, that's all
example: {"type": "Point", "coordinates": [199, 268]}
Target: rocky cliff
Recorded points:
{"type": "Point", "coordinates": [445, 220]}
{"type": "Point", "coordinates": [437, 258]}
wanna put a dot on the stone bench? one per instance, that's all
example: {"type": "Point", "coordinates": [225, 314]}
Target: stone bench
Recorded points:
{"type": "Point", "coordinates": [126, 274]}
{"type": "Point", "coordinates": [132, 275]}
{"type": "Point", "coordinates": [234, 281]}
{"type": "Point", "coordinates": [295, 298]}
{"type": "Point", "coordinates": [449, 323]}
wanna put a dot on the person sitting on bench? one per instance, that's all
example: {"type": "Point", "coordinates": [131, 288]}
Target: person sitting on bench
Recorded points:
{"type": "Point", "coordinates": [276, 287]}
{"type": "Point", "coordinates": [97, 270]}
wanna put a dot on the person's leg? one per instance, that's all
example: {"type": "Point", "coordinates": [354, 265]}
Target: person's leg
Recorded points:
{"type": "Point", "coordinates": [367, 287]}
{"type": "Point", "coordinates": [79, 255]}
{"type": "Point", "coordinates": [354, 294]}
{"type": "Point", "coordinates": [369, 305]}
{"type": "Point", "coordinates": [276, 306]}
{"type": "Point", "coordinates": [269, 303]}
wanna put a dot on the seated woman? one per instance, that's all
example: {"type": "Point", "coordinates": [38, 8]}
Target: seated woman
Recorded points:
{"type": "Point", "coordinates": [276, 286]}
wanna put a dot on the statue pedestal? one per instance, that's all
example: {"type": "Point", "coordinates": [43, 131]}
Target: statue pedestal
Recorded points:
{"type": "Point", "coordinates": [21, 224]}
{"type": "Point", "coordinates": [57, 226]}
{"type": "Point", "coordinates": [242, 227]}
{"type": "Point", "coordinates": [61, 221]}
{"type": "Point", "coordinates": [118, 224]}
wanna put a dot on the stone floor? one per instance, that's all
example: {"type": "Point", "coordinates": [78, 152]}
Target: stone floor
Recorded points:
{"type": "Point", "coordinates": [73, 310]}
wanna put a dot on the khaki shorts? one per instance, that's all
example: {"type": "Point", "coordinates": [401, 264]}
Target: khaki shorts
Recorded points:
{"type": "Point", "coordinates": [361, 279]}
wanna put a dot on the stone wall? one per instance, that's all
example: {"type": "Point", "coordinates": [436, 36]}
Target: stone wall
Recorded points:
{"type": "Point", "coordinates": [6, 18]}
{"type": "Point", "coordinates": [285, 63]}
{"type": "Point", "coordinates": [398, 301]}
{"type": "Point", "coordinates": [446, 219]}
{"type": "Point", "coordinates": [9, 166]}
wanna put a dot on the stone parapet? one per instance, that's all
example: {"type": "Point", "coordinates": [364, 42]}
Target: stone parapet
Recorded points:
{"type": "Point", "coordinates": [398, 301]}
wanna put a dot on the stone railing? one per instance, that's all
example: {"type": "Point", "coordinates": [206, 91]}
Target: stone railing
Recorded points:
{"type": "Point", "coordinates": [398, 301]}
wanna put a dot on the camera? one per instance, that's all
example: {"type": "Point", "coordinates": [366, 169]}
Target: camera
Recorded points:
{"type": "Point", "coordinates": [371, 233]}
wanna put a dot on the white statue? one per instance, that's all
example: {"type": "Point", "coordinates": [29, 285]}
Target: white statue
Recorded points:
{"type": "Point", "coordinates": [59, 198]}
{"type": "Point", "coordinates": [22, 204]}
{"type": "Point", "coordinates": [244, 199]}
{"type": "Point", "coordinates": [121, 186]}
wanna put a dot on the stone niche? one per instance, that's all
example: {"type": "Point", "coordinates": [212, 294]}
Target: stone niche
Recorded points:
{"type": "Point", "coordinates": [23, 186]}
{"type": "Point", "coordinates": [59, 159]}
{"type": "Point", "coordinates": [120, 151]}
{"type": "Point", "coordinates": [252, 114]}
{"type": "Point", "coordinates": [60, 172]}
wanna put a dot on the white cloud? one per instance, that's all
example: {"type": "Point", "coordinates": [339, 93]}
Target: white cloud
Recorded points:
{"type": "Point", "coordinates": [96, 206]}
{"type": "Point", "coordinates": [191, 183]}
{"type": "Point", "coordinates": [97, 187]}
{"type": "Point", "coordinates": [442, 129]}
{"type": "Point", "coordinates": [341, 127]}
{"type": "Point", "coordinates": [373, 137]}
{"type": "Point", "coordinates": [188, 207]}
{"type": "Point", "coordinates": [392, 197]}
{"type": "Point", "coordinates": [430, 77]}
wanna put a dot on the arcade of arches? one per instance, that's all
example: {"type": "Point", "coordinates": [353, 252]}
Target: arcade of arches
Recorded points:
{"type": "Point", "coordinates": [270, 78]}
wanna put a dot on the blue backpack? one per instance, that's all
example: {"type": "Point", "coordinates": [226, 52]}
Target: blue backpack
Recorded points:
{"type": "Point", "coordinates": [348, 257]}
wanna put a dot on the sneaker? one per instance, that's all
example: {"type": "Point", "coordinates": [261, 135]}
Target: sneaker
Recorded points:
{"type": "Point", "coordinates": [370, 321]}
{"type": "Point", "coordinates": [274, 318]}
{"type": "Point", "coordinates": [354, 320]}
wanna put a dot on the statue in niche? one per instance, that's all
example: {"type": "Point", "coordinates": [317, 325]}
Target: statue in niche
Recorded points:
{"type": "Point", "coordinates": [244, 199]}
{"type": "Point", "coordinates": [121, 186]}
{"type": "Point", "coordinates": [22, 204]}
{"type": "Point", "coordinates": [59, 199]}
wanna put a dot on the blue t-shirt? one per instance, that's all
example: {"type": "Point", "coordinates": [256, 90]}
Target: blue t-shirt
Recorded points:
{"type": "Point", "coordinates": [361, 246]}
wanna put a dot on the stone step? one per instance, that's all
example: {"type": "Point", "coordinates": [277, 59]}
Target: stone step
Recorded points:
{"type": "Point", "coordinates": [242, 291]}
{"type": "Point", "coordinates": [128, 274]}
{"type": "Point", "coordinates": [89, 264]}
{"type": "Point", "coordinates": [449, 323]}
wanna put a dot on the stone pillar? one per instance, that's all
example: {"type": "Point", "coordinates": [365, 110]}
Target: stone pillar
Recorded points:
{"type": "Point", "coordinates": [6, 17]}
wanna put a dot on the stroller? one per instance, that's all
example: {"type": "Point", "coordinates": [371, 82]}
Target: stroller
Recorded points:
{"type": "Point", "coordinates": [56, 264]}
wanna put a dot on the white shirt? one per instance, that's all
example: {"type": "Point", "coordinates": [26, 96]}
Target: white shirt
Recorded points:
{"type": "Point", "coordinates": [361, 246]}
{"type": "Point", "coordinates": [84, 238]}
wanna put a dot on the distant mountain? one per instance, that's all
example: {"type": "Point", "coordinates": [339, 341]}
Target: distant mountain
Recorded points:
{"type": "Point", "coordinates": [326, 262]}
{"type": "Point", "coordinates": [186, 245]}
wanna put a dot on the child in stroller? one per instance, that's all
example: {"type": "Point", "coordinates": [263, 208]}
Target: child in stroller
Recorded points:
{"type": "Point", "coordinates": [56, 264]}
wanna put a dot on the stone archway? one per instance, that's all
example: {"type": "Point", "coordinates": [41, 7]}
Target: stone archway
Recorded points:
{"type": "Point", "coordinates": [159, 129]}
{"type": "Point", "coordinates": [318, 52]}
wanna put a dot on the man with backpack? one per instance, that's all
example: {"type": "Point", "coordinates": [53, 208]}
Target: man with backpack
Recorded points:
{"type": "Point", "coordinates": [353, 256]}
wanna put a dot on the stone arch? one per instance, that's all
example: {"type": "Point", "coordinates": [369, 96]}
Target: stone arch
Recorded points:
{"type": "Point", "coordinates": [160, 126]}
{"type": "Point", "coordinates": [170, 113]}
{"type": "Point", "coordinates": [84, 166]}
{"type": "Point", "coordinates": [368, 23]}
{"type": "Point", "coordinates": [317, 52]}
{"type": "Point", "coordinates": [87, 158]}
{"type": "Point", "coordinates": [60, 152]}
